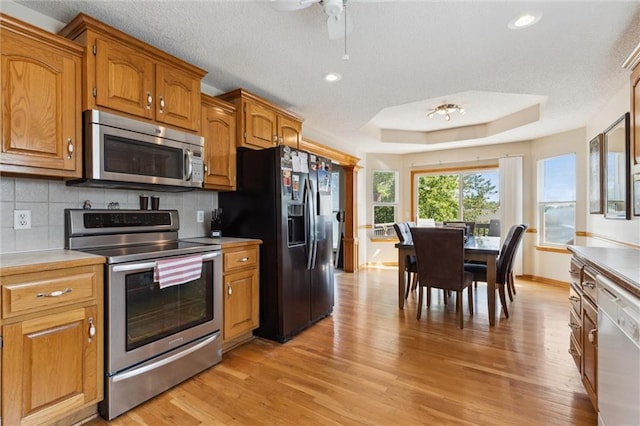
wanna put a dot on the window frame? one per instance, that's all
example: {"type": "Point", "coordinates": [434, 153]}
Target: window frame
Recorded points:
{"type": "Point", "coordinates": [542, 204]}
{"type": "Point", "coordinates": [460, 172]}
{"type": "Point", "coordinates": [386, 232]}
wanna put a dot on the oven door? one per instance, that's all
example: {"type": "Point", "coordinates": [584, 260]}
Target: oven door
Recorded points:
{"type": "Point", "coordinates": [144, 321]}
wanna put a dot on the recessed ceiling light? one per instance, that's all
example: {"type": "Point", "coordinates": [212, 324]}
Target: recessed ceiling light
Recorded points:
{"type": "Point", "coordinates": [332, 76]}
{"type": "Point", "coordinates": [524, 20]}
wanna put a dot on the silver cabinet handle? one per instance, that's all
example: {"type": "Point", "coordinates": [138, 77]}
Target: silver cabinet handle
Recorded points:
{"type": "Point", "coordinates": [70, 148]}
{"type": "Point", "coordinates": [149, 100]}
{"type": "Point", "coordinates": [574, 298]}
{"type": "Point", "coordinates": [573, 326]}
{"type": "Point", "coordinates": [573, 352]}
{"type": "Point", "coordinates": [589, 284]}
{"type": "Point", "coordinates": [162, 104]}
{"type": "Point", "coordinates": [229, 290]}
{"type": "Point", "coordinates": [592, 336]}
{"type": "Point", "coordinates": [244, 259]}
{"type": "Point", "coordinates": [56, 293]}
{"type": "Point", "coordinates": [275, 139]}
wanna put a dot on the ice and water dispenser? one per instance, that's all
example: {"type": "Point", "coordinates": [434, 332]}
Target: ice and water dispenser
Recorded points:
{"type": "Point", "coordinates": [295, 225]}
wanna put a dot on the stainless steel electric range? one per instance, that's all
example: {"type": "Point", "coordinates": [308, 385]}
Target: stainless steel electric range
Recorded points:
{"type": "Point", "coordinates": [156, 336]}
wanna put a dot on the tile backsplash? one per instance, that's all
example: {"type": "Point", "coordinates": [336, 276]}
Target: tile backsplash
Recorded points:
{"type": "Point", "coordinates": [47, 199]}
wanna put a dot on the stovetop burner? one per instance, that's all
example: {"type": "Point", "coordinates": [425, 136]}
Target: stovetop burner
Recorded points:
{"type": "Point", "coordinates": [128, 235]}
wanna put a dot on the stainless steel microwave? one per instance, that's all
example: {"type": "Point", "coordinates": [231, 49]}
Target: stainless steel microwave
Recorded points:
{"type": "Point", "coordinates": [120, 152]}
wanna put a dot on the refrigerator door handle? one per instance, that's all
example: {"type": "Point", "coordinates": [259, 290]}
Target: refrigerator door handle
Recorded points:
{"type": "Point", "coordinates": [310, 223]}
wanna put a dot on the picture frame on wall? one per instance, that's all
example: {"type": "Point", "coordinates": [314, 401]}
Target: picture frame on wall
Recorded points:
{"type": "Point", "coordinates": [636, 194]}
{"type": "Point", "coordinates": [596, 175]}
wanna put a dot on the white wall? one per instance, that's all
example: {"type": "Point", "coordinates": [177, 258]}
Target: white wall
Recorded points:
{"type": "Point", "coordinates": [614, 229]}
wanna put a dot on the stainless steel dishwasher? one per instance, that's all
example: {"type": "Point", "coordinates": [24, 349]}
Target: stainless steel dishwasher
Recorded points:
{"type": "Point", "coordinates": [618, 355]}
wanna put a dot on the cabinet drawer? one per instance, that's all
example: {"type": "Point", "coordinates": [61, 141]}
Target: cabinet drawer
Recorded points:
{"type": "Point", "coordinates": [575, 324]}
{"type": "Point", "coordinates": [27, 293]}
{"type": "Point", "coordinates": [575, 298]}
{"type": "Point", "coordinates": [242, 258]}
{"type": "Point", "coordinates": [576, 353]}
{"type": "Point", "coordinates": [589, 283]}
{"type": "Point", "coordinates": [575, 271]}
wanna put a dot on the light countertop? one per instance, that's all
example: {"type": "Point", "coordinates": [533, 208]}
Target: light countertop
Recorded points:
{"type": "Point", "coordinates": [34, 261]}
{"type": "Point", "coordinates": [621, 263]}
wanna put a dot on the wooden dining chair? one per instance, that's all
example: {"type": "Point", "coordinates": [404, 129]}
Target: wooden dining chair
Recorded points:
{"type": "Point", "coordinates": [504, 264]}
{"type": "Point", "coordinates": [440, 258]}
{"type": "Point", "coordinates": [411, 268]}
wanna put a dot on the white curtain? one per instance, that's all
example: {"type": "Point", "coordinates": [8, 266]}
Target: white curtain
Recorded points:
{"type": "Point", "coordinates": [511, 196]}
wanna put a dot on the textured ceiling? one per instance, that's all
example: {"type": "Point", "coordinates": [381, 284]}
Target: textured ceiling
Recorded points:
{"type": "Point", "coordinates": [405, 57]}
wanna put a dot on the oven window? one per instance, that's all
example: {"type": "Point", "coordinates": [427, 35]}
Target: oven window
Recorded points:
{"type": "Point", "coordinates": [123, 155]}
{"type": "Point", "coordinates": [153, 314]}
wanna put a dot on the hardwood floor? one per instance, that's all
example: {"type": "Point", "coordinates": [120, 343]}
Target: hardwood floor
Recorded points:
{"type": "Point", "coordinates": [370, 363]}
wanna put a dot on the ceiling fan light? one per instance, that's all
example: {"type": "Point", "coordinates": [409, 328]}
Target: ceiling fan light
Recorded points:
{"type": "Point", "coordinates": [430, 115]}
{"type": "Point", "coordinates": [447, 117]}
{"type": "Point", "coordinates": [462, 111]}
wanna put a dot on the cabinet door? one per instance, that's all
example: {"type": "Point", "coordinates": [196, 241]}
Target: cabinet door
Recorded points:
{"type": "Point", "coordinates": [289, 131]}
{"type": "Point", "coordinates": [219, 131]}
{"type": "Point", "coordinates": [50, 366]}
{"type": "Point", "coordinates": [178, 98]}
{"type": "Point", "coordinates": [124, 80]}
{"type": "Point", "coordinates": [259, 126]}
{"type": "Point", "coordinates": [41, 123]}
{"type": "Point", "coordinates": [240, 303]}
{"type": "Point", "coordinates": [590, 350]}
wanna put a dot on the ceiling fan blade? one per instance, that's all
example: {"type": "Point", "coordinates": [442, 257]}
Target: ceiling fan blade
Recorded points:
{"type": "Point", "coordinates": [336, 26]}
{"type": "Point", "coordinates": [291, 5]}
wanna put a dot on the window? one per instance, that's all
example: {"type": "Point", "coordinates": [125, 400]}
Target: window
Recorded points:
{"type": "Point", "coordinates": [557, 200]}
{"type": "Point", "coordinates": [471, 196]}
{"type": "Point", "coordinates": [385, 202]}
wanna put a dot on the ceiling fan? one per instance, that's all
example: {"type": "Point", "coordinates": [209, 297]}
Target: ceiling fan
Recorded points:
{"type": "Point", "coordinates": [338, 22]}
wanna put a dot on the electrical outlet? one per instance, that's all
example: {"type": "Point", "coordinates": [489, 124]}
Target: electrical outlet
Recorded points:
{"type": "Point", "coordinates": [200, 216]}
{"type": "Point", "coordinates": [22, 219]}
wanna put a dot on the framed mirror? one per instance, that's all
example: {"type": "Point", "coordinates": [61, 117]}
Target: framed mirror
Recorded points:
{"type": "Point", "coordinates": [617, 169]}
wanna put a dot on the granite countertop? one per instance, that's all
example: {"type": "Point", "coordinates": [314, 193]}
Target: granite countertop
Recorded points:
{"type": "Point", "coordinates": [34, 261]}
{"type": "Point", "coordinates": [223, 241]}
{"type": "Point", "coordinates": [622, 263]}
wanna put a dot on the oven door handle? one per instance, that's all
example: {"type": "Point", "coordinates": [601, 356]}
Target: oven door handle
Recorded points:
{"type": "Point", "coordinates": [149, 265]}
{"type": "Point", "coordinates": [151, 366]}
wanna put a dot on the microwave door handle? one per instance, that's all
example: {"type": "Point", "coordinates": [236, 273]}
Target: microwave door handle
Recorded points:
{"type": "Point", "coordinates": [188, 164]}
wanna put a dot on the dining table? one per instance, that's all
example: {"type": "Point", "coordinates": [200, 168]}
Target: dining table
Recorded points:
{"type": "Point", "coordinates": [478, 248]}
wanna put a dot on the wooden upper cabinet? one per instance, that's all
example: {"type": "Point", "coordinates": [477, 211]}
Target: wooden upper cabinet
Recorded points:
{"type": "Point", "coordinates": [262, 124]}
{"type": "Point", "coordinates": [178, 98]}
{"type": "Point", "coordinates": [126, 75]}
{"type": "Point", "coordinates": [124, 79]}
{"type": "Point", "coordinates": [219, 132]}
{"type": "Point", "coordinates": [289, 132]}
{"type": "Point", "coordinates": [41, 87]}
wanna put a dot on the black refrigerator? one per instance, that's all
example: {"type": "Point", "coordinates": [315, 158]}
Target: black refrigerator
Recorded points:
{"type": "Point", "coordinates": [283, 197]}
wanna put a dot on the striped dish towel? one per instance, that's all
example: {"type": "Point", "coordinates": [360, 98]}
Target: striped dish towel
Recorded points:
{"type": "Point", "coordinates": [178, 270]}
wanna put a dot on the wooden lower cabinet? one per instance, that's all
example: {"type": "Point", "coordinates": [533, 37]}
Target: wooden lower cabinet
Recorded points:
{"type": "Point", "coordinates": [583, 321]}
{"type": "Point", "coordinates": [241, 293]}
{"type": "Point", "coordinates": [52, 353]}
